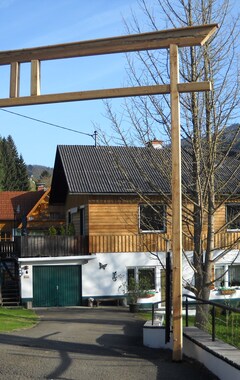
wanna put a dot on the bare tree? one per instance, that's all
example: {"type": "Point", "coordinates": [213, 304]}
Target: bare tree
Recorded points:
{"type": "Point", "coordinates": [205, 117]}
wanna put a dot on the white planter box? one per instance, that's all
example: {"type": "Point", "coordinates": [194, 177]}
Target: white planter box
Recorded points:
{"type": "Point", "coordinates": [154, 335]}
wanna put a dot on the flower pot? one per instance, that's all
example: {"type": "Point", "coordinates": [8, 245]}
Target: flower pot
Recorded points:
{"type": "Point", "coordinates": [149, 295]}
{"type": "Point", "coordinates": [133, 308]}
{"type": "Point", "coordinates": [227, 291]}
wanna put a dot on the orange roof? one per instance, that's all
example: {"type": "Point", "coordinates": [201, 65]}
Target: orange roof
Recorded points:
{"type": "Point", "coordinates": [10, 201]}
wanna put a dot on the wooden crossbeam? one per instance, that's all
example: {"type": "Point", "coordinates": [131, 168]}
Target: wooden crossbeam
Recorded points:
{"type": "Point", "coordinates": [189, 36]}
{"type": "Point", "coordinates": [181, 37]}
{"type": "Point", "coordinates": [100, 94]}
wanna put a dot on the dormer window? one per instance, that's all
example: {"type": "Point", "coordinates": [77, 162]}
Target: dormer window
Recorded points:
{"type": "Point", "coordinates": [233, 216]}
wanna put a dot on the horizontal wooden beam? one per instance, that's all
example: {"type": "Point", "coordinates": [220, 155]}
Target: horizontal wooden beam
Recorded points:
{"type": "Point", "coordinates": [103, 94]}
{"type": "Point", "coordinates": [189, 36]}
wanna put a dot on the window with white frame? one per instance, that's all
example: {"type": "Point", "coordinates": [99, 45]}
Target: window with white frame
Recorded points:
{"type": "Point", "coordinates": [233, 216]}
{"type": "Point", "coordinates": [152, 217]}
{"type": "Point", "coordinates": [227, 275]}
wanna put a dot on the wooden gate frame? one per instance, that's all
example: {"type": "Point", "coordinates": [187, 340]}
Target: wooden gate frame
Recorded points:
{"type": "Point", "coordinates": [172, 39]}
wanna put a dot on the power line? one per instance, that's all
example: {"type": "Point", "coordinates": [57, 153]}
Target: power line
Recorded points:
{"type": "Point", "coordinates": [51, 124]}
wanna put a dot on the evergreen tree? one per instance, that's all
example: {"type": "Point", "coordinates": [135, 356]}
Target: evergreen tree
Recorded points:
{"type": "Point", "coordinates": [23, 181]}
{"type": "Point", "coordinates": [9, 165]}
{"type": "Point", "coordinates": [14, 172]}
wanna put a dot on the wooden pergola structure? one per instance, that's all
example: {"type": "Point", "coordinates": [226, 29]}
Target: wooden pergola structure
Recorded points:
{"type": "Point", "coordinates": [171, 39]}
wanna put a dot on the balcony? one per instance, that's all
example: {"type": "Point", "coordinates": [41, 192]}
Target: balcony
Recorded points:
{"type": "Point", "coordinates": [54, 246]}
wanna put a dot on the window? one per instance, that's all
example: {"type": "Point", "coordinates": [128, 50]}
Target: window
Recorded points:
{"type": "Point", "coordinates": [234, 275]}
{"type": "Point", "coordinates": [69, 217]}
{"type": "Point", "coordinates": [148, 275]}
{"type": "Point", "coordinates": [233, 216]}
{"type": "Point", "coordinates": [130, 274]}
{"type": "Point", "coordinates": [82, 221]}
{"type": "Point", "coordinates": [228, 275]}
{"type": "Point", "coordinates": [219, 276]}
{"type": "Point", "coordinates": [152, 217]}
{"type": "Point", "coordinates": [142, 275]}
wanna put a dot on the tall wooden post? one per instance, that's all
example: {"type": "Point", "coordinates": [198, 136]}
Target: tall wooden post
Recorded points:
{"type": "Point", "coordinates": [176, 205]}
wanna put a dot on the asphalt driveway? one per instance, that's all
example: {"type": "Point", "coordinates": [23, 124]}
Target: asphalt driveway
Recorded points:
{"type": "Point", "coordinates": [83, 344]}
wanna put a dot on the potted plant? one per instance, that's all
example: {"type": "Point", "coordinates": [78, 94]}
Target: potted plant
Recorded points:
{"type": "Point", "coordinates": [136, 290]}
{"type": "Point", "coordinates": [226, 291]}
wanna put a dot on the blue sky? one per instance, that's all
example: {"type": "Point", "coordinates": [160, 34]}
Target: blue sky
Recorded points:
{"type": "Point", "coordinates": [31, 23]}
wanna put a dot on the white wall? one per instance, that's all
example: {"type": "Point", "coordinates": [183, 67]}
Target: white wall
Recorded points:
{"type": "Point", "coordinates": [26, 269]}
{"type": "Point", "coordinates": [99, 282]}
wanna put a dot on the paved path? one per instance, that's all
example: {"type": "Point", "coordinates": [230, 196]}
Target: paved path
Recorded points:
{"type": "Point", "coordinates": [89, 344]}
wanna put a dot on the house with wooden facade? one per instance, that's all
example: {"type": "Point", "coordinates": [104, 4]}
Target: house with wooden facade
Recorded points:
{"type": "Point", "coordinates": [22, 213]}
{"type": "Point", "coordinates": [115, 197]}
{"type": "Point", "coordinates": [27, 213]}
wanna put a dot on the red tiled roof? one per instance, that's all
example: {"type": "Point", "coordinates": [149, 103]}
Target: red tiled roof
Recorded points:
{"type": "Point", "coordinates": [10, 200]}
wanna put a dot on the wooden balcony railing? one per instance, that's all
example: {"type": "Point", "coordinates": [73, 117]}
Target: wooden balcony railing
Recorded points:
{"type": "Point", "coordinates": [40, 246]}
{"type": "Point", "coordinates": [43, 246]}
{"type": "Point", "coordinates": [7, 248]}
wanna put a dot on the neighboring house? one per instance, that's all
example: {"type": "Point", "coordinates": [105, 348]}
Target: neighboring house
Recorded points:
{"type": "Point", "coordinates": [27, 213]}
{"type": "Point", "coordinates": [22, 213]}
{"type": "Point", "coordinates": [117, 234]}
{"type": "Point", "coordinates": [14, 208]}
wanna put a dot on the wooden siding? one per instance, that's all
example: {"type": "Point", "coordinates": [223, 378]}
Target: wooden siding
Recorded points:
{"type": "Point", "coordinates": [113, 219]}
{"type": "Point", "coordinates": [117, 215]}
{"type": "Point", "coordinates": [220, 218]}
{"type": "Point", "coordinates": [154, 242]}
{"type": "Point", "coordinates": [75, 201]}
{"type": "Point", "coordinates": [128, 243]}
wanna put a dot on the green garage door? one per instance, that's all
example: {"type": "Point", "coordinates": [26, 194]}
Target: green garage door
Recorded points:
{"type": "Point", "coordinates": [57, 285]}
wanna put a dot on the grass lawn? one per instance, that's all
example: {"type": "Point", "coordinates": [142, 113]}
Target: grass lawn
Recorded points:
{"type": "Point", "coordinates": [16, 318]}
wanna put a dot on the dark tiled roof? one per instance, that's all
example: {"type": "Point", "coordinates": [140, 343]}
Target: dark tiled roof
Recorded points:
{"type": "Point", "coordinates": [108, 170]}
{"type": "Point", "coordinates": [83, 169]}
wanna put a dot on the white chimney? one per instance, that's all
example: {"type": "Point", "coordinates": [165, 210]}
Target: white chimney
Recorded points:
{"type": "Point", "coordinates": [156, 144]}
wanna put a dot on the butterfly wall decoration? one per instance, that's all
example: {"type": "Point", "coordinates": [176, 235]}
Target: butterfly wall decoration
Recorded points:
{"type": "Point", "coordinates": [102, 266]}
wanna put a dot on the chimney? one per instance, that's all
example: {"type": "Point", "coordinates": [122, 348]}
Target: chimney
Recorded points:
{"type": "Point", "coordinates": [40, 186]}
{"type": "Point", "coordinates": [156, 144]}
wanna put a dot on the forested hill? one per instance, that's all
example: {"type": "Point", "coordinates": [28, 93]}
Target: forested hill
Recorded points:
{"type": "Point", "coordinates": [40, 174]}
{"type": "Point", "coordinates": [37, 170]}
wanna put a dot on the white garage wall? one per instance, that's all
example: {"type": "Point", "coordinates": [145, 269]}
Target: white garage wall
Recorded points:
{"type": "Point", "coordinates": [99, 282]}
